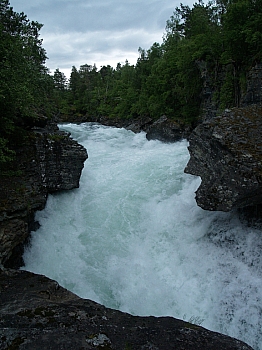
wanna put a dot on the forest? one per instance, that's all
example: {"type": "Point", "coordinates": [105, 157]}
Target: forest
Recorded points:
{"type": "Point", "coordinates": [218, 41]}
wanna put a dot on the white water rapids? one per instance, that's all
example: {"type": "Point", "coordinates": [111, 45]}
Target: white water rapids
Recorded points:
{"type": "Point", "coordinates": [132, 238]}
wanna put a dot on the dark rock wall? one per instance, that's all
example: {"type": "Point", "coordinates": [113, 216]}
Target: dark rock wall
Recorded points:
{"type": "Point", "coordinates": [226, 152]}
{"type": "Point", "coordinates": [166, 130]}
{"type": "Point", "coordinates": [59, 161]}
{"type": "Point", "coordinates": [213, 78]}
{"type": "Point", "coordinates": [49, 161]}
{"type": "Point", "coordinates": [253, 92]}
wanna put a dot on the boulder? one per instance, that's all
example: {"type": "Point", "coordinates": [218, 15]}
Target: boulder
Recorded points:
{"type": "Point", "coordinates": [37, 313]}
{"type": "Point", "coordinates": [226, 152]}
{"type": "Point", "coordinates": [167, 130]}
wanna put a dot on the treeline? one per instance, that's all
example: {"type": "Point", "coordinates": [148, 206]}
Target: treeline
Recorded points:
{"type": "Point", "coordinates": [25, 85]}
{"type": "Point", "coordinates": [214, 43]}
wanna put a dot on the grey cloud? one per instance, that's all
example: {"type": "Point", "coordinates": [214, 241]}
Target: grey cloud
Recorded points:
{"type": "Point", "coordinates": [95, 15]}
{"type": "Point", "coordinates": [98, 47]}
{"type": "Point", "coordinates": [105, 17]}
{"type": "Point", "coordinates": [76, 32]}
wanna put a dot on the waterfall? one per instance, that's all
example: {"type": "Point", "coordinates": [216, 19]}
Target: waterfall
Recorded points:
{"type": "Point", "coordinates": [132, 238]}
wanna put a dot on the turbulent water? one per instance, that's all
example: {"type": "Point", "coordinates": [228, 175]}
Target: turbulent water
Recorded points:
{"type": "Point", "coordinates": [132, 238]}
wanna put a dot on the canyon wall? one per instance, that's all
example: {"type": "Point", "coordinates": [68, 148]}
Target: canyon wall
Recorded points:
{"type": "Point", "coordinates": [226, 151]}
{"type": "Point", "coordinates": [48, 161]}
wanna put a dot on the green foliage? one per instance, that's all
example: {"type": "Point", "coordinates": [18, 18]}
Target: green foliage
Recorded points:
{"type": "Point", "coordinates": [24, 83]}
{"type": "Point", "coordinates": [224, 36]}
{"type": "Point", "coordinates": [6, 155]}
{"type": "Point", "coordinates": [219, 39]}
{"type": "Point", "coordinates": [227, 90]}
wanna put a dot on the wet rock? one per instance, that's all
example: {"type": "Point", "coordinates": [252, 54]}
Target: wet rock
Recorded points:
{"type": "Point", "coordinates": [60, 160]}
{"type": "Point", "coordinates": [49, 161]}
{"type": "Point", "coordinates": [166, 130]}
{"type": "Point", "coordinates": [134, 124]}
{"type": "Point", "coordinates": [37, 313]}
{"type": "Point", "coordinates": [226, 152]}
{"type": "Point", "coordinates": [253, 93]}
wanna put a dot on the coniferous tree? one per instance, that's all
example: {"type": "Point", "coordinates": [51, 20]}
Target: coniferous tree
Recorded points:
{"type": "Point", "coordinates": [220, 40]}
{"type": "Point", "coordinates": [24, 83]}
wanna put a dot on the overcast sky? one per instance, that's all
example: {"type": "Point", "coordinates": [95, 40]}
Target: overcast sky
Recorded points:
{"type": "Point", "coordinates": [100, 32]}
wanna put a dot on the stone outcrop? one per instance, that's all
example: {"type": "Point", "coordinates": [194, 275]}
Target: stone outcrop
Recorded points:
{"type": "Point", "coordinates": [36, 313]}
{"type": "Point", "coordinates": [226, 152]}
{"type": "Point", "coordinates": [167, 130]}
{"type": "Point", "coordinates": [48, 161]}
{"type": "Point", "coordinates": [247, 93]}
{"type": "Point", "coordinates": [253, 93]}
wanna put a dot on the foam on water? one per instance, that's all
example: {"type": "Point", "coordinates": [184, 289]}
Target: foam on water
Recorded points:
{"type": "Point", "coordinates": [132, 238]}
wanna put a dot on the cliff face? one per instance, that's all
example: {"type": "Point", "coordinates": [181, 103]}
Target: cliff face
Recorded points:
{"type": "Point", "coordinates": [167, 131]}
{"type": "Point", "coordinates": [226, 152]}
{"type": "Point", "coordinates": [253, 93]}
{"type": "Point", "coordinates": [49, 161]}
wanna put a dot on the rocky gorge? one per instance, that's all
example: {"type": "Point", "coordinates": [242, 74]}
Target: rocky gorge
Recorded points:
{"type": "Point", "coordinates": [225, 151]}
{"type": "Point", "coordinates": [38, 313]}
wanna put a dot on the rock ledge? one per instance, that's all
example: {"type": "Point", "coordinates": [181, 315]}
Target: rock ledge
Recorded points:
{"type": "Point", "coordinates": [226, 152]}
{"type": "Point", "coordinates": [36, 313]}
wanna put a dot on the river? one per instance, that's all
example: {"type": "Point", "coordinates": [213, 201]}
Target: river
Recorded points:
{"type": "Point", "coordinates": [132, 238]}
